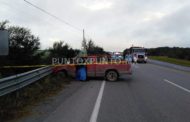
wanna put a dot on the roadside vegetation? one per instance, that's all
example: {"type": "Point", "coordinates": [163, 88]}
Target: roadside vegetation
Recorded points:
{"type": "Point", "coordinates": [171, 60]}
{"type": "Point", "coordinates": [174, 55]}
{"type": "Point", "coordinates": [20, 103]}
{"type": "Point", "coordinates": [24, 49]}
{"type": "Point", "coordinates": [171, 52]}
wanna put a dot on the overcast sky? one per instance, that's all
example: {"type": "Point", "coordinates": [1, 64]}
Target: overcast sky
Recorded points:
{"type": "Point", "coordinates": [112, 24]}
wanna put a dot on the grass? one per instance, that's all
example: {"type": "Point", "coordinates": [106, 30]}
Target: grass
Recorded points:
{"type": "Point", "coordinates": [20, 103]}
{"type": "Point", "coordinates": [171, 60]}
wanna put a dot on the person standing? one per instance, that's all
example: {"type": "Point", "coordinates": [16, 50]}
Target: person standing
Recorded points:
{"type": "Point", "coordinates": [135, 58]}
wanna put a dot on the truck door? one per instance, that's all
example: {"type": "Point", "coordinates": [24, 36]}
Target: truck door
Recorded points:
{"type": "Point", "coordinates": [91, 67]}
{"type": "Point", "coordinates": [72, 70]}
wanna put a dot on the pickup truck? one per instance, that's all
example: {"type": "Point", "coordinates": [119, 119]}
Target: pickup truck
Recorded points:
{"type": "Point", "coordinates": [94, 68]}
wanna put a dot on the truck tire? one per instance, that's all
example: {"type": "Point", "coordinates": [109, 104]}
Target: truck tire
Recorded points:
{"type": "Point", "coordinates": [111, 75]}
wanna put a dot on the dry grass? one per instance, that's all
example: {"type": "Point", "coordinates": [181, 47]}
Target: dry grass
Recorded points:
{"type": "Point", "coordinates": [19, 103]}
{"type": "Point", "coordinates": [171, 60]}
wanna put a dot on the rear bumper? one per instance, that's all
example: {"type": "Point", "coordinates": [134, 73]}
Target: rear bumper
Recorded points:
{"type": "Point", "coordinates": [141, 60]}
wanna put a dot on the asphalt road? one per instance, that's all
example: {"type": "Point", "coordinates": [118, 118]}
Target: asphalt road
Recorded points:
{"type": "Point", "coordinates": [152, 94]}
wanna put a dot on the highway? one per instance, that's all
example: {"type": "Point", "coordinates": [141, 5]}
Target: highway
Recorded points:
{"type": "Point", "coordinates": [152, 94]}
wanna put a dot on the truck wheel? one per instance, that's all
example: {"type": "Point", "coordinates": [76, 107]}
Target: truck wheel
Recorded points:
{"type": "Point", "coordinates": [111, 75]}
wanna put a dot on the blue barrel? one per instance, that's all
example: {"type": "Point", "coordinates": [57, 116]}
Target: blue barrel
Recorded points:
{"type": "Point", "coordinates": [81, 74]}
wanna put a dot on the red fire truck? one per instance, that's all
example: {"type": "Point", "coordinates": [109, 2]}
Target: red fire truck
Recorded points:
{"type": "Point", "coordinates": [96, 67]}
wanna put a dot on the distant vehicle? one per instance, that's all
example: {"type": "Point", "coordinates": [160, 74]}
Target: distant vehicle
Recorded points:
{"type": "Point", "coordinates": [111, 71]}
{"type": "Point", "coordinates": [138, 53]}
{"type": "Point", "coordinates": [117, 56]}
{"type": "Point", "coordinates": [128, 58]}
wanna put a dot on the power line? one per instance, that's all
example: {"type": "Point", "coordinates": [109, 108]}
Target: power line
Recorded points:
{"type": "Point", "coordinates": [50, 14]}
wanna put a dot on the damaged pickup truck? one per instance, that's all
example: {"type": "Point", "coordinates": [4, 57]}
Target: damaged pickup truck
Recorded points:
{"type": "Point", "coordinates": [96, 66]}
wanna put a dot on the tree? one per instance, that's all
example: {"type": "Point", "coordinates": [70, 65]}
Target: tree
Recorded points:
{"type": "Point", "coordinates": [22, 45]}
{"type": "Point", "coordinates": [3, 24]}
{"type": "Point", "coordinates": [93, 49]}
{"type": "Point", "coordinates": [90, 45]}
{"type": "Point", "coordinates": [62, 50]}
{"type": "Point", "coordinates": [172, 52]}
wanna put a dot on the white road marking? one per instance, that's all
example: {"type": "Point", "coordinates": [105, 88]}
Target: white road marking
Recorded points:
{"type": "Point", "coordinates": [95, 112]}
{"type": "Point", "coordinates": [178, 86]}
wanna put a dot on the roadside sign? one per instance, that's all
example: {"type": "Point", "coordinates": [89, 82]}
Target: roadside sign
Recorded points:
{"type": "Point", "coordinates": [4, 44]}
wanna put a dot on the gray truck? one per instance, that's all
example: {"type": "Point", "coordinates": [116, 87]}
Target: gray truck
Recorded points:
{"type": "Point", "coordinates": [138, 54]}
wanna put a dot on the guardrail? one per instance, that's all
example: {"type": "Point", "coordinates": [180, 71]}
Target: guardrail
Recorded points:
{"type": "Point", "coordinates": [16, 82]}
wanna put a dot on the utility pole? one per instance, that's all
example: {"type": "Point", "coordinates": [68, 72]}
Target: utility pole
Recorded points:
{"type": "Point", "coordinates": [83, 35]}
{"type": "Point", "coordinates": [84, 44]}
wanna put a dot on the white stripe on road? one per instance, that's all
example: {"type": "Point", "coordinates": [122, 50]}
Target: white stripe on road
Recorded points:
{"type": "Point", "coordinates": [178, 86]}
{"type": "Point", "coordinates": [95, 112]}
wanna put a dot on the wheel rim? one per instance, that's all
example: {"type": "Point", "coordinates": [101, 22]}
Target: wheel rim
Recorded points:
{"type": "Point", "coordinates": [112, 76]}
